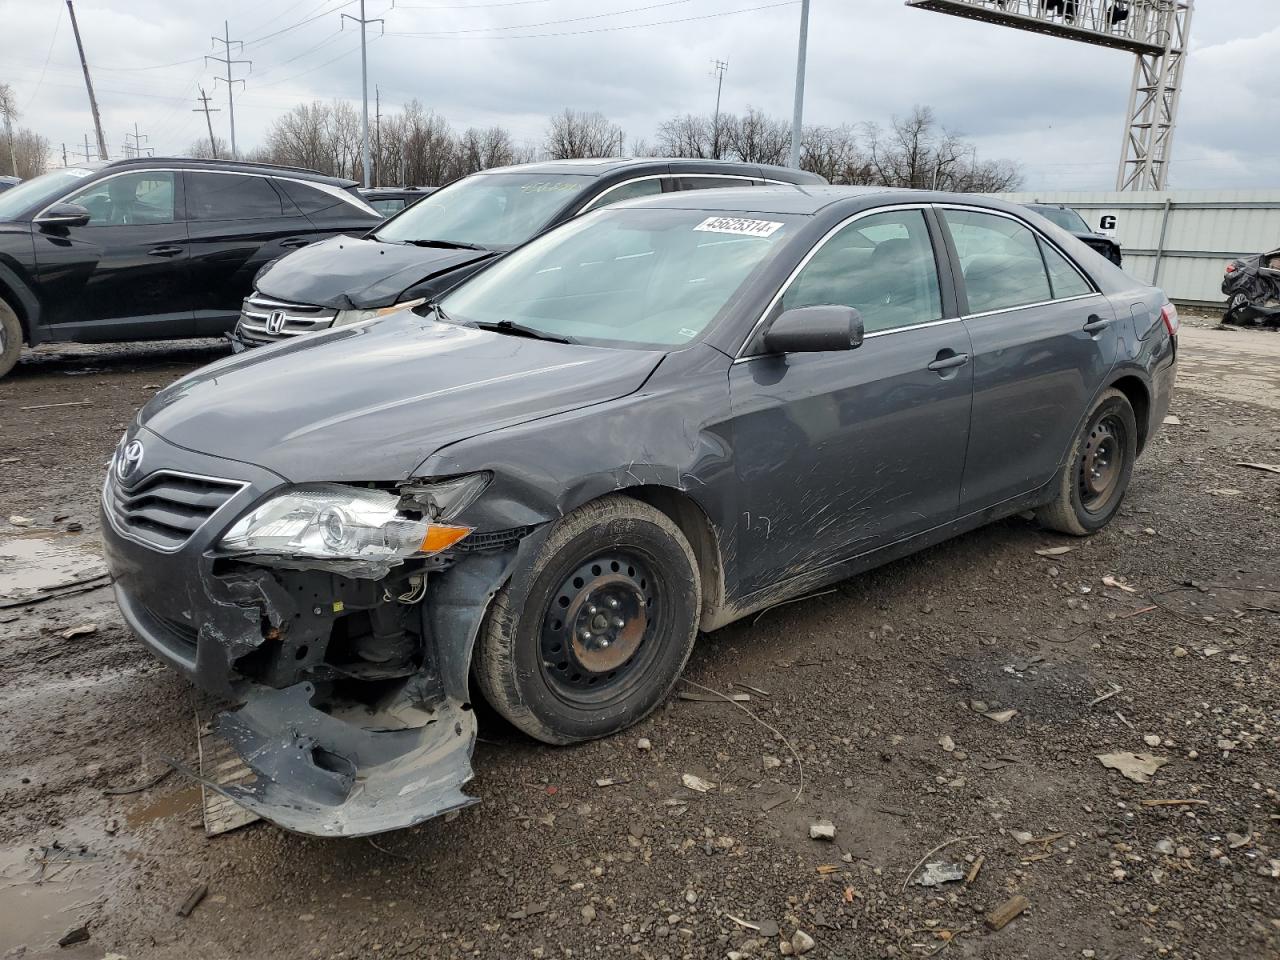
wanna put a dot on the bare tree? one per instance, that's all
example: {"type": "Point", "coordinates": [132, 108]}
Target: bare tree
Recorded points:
{"type": "Point", "coordinates": [688, 136]}
{"type": "Point", "coordinates": [572, 134]}
{"type": "Point", "coordinates": [202, 150]}
{"type": "Point", "coordinates": [918, 152]}
{"type": "Point", "coordinates": [833, 153]}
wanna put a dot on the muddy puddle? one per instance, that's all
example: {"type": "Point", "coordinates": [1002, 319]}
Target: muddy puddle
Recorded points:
{"type": "Point", "coordinates": [36, 561]}
{"type": "Point", "coordinates": [45, 890]}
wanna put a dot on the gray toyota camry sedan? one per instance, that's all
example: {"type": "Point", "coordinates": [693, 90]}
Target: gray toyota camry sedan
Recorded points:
{"type": "Point", "coordinates": [645, 424]}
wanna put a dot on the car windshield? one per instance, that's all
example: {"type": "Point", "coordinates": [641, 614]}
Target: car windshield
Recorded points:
{"type": "Point", "coordinates": [631, 277]}
{"type": "Point", "coordinates": [40, 190]}
{"type": "Point", "coordinates": [1064, 217]}
{"type": "Point", "coordinates": [492, 210]}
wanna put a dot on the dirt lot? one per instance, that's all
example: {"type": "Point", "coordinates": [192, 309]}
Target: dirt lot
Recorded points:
{"type": "Point", "coordinates": [886, 689]}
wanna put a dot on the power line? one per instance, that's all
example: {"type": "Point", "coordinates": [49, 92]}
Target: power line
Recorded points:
{"type": "Point", "coordinates": [470, 6]}
{"type": "Point", "coordinates": [231, 100]}
{"type": "Point", "coordinates": [318, 66]}
{"type": "Point", "coordinates": [300, 23]}
{"type": "Point", "coordinates": [57, 25]}
{"type": "Point", "coordinates": [544, 23]}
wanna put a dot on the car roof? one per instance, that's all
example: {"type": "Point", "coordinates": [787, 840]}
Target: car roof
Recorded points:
{"type": "Point", "coordinates": [599, 167]}
{"type": "Point", "coordinates": [806, 199]}
{"type": "Point", "coordinates": [229, 166]}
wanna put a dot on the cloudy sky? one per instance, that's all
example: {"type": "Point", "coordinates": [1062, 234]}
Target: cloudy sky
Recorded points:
{"type": "Point", "coordinates": [1055, 107]}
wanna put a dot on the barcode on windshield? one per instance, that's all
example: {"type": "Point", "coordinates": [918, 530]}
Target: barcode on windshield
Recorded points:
{"type": "Point", "coordinates": [739, 226]}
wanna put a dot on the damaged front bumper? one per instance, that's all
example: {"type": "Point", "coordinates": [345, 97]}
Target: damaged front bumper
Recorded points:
{"type": "Point", "coordinates": [351, 695]}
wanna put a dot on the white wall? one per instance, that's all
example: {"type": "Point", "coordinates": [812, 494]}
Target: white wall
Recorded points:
{"type": "Point", "coordinates": [1202, 229]}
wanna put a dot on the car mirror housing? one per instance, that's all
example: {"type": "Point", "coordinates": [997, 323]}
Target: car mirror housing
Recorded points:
{"type": "Point", "coordinates": [815, 330]}
{"type": "Point", "coordinates": [64, 215]}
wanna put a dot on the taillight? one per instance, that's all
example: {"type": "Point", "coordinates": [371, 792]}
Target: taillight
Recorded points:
{"type": "Point", "coordinates": [1231, 268]}
{"type": "Point", "coordinates": [1169, 314]}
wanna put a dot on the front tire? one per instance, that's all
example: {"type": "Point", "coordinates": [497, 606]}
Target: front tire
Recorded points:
{"type": "Point", "coordinates": [10, 338]}
{"type": "Point", "coordinates": [609, 620]}
{"type": "Point", "coordinates": [1094, 482]}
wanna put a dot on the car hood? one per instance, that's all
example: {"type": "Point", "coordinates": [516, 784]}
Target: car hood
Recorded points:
{"type": "Point", "coordinates": [372, 401]}
{"type": "Point", "coordinates": [348, 273]}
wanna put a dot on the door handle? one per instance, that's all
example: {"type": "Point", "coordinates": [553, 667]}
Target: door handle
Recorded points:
{"type": "Point", "coordinates": [165, 251]}
{"type": "Point", "coordinates": [949, 362]}
{"type": "Point", "coordinates": [294, 242]}
{"type": "Point", "coordinates": [1096, 323]}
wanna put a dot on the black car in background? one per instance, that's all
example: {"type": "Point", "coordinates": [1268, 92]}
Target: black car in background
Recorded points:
{"type": "Point", "coordinates": [456, 231]}
{"type": "Point", "coordinates": [1070, 220]}
{"type": "Point", "coordinates": [389, 201]}
{"type": "Point", "coordinates": [7, 182]}
{"type": "Point", "coordinates": [152, 248]}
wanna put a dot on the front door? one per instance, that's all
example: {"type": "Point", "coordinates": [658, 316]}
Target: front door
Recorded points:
{"type": "Point", "coordinates": [1044, 342]}
{"type": "Point", "coordinates": [122, 276]}
{"type": "Point", "coordinates": [843, 452]}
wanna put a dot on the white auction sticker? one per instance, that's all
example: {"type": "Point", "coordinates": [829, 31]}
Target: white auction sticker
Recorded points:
{"type": "Point", "coordinates": [739, 226]}
{"type": "Point", "coordinates": [77, 172]}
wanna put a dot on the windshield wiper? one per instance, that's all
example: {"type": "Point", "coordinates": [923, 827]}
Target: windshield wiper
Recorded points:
{"type": "Point", "coordinates": [447, 244]}
{"type": "Point", "coordinates": [520, 330]}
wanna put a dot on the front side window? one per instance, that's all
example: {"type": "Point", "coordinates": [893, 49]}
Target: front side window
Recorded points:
{"type": "Point", "coordinates": [1064, 217]}
{"type": "Point", "coordinates": [882, 265]}
{"type": "Point", "coordinates": [647, 187]}
{"type": "Point", "coordinates": [491, 210]}
{"type": "Point", "coordinates": [132, 198]}
{"type": "Point", "coordinates": [999, 260]}
{"type": "Point", "coordinates": [630, 277]}
{"type": "Point", "coordinates": [230, 196]}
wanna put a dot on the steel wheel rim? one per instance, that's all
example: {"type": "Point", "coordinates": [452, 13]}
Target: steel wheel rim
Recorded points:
{"type": "Point", "coordinates": [598, 633]}
{"type": "Point", "coordinates": [1101, 463]}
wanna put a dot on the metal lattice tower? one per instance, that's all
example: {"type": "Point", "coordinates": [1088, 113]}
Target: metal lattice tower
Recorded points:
{"type": "Point", "coordinates": [1156, 32]}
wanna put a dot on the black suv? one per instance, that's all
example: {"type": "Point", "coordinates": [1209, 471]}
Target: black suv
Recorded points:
{"type": "Point", "coordinates": [456, 231]}
{"type": "Point", "coordinates": [1070, 220]}
{"type": "Point", "coordinates": [149, 248]}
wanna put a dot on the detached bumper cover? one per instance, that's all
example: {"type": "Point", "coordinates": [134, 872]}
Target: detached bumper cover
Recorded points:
{"type": "Point", "coordinates": [338, 747]}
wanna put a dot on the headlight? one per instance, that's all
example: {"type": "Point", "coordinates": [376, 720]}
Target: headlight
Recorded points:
{"type": "Point", "coordinates": [345, 317]}
{"type": "Point", "coordinates": [334, 522]}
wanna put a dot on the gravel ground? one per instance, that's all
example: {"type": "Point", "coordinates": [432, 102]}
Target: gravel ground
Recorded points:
{"type": "Point", "coordinates": [889, 696]}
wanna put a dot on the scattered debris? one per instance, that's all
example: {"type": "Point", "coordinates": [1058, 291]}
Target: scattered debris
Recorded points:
{"type": "Point", "coordinates": [525, 912]}
{"type": "Point", "coordinates": [704, 698]}
{"type": "Point", "coordinates": [83, 630]}
{"type": "Point", "coordinates": [1172, 421]}
{"type": "Point", "coordinates": [770, 762]}
{"type": "Point", "coordinates": [998, 918]}
{"type": "Point", "coordinates": [822, 830]}
{"type": "Point", "coordinates": [68, 403]}
{"type": "Point", "coordinates": [138, 787]}
{"type": "Point", "coordinates": [644, 744]}
{"type": "Point", "coordinates": [826, 869]}
{"type": "Point", "coordinates": [1053, 551]}
{"type": "Point", "coordinates": [1111, 581]}
{"type": "Point", "coordinates": [697, 783]}
{"type": "Point", "coordinates": [1224, 492]}
{"type": "Point", "coordinates": [77, 934]}
{"type": "Point", "coordinates": [1138, 767]}
{"type": "Point", "coordinates": [920, 862]}
{"type": "Point", "coordinates": [947, 744]}
{"type": "Point", "coordinates": [1001, 716]}
{"type": "Point", "coordinates": [801, 943]}
{"type": "Point", "coordinates": [1139, 612]}
{"type": "Point", "coordinates": [939, 872]}
{"type": "Point", "coordinates": [1152, 740]}
{"type": "Point", "coordinates": [1266, 467]}
{"type": "Point", "coordinates": [1106, 696]}
{"type": "Point", "coordinates": [746, 924]}
{"type": "Point", "coordinates": [193, 899]}
{"type": "Point", "coordinates": [975, 869]}
{"type": "Point", "coordinates": [19, 521]}
{"type": "Point", "coordinates": [611, 781]}
{"type": "Point", "coordinates": [1237, 840]}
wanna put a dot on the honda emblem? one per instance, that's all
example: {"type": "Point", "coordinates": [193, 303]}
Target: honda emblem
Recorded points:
{"type": "Point", "coordinates": [275, 322]}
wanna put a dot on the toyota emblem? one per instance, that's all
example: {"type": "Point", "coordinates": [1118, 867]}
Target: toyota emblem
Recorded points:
{"type": "Point", "coordinates": [275, 322]}
{"type": "Point", "coordinates": [130, 459]}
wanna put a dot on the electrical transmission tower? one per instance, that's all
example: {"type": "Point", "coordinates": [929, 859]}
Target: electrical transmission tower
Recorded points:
{"type": "Point", "coordinates": [364, 85]}
{"type": "Point", "coordinates": [1156, 32]}
{"type": "Point", "coordinates": [206, 110]}
{"type": "Point", "coordinates": [136, 149]}
{"type": "Point", "coordinates": [228, 43]}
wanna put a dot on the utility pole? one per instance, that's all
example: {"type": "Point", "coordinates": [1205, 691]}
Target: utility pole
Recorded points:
{"type": "Point", "coordinates": [64, 156]}
{"type": "Point", "coordinates": [718, 68]}
{"type": "Point", "coordinates": [227, 43]}
{"type": "Point", "coordinates": [797, 114]}
{"type": "Point", "coordinates": [93, 101]}
{"type": "Point", "coordinates": [206, 110]}
{"type": "Point", "coordinates": [88, 156]}
{"type": "Point", "coordinates": [364, 85]}
{"type": "Point", "coordinates": [377, 133]}
{"type": "Point", "coordinates": [137, 139]}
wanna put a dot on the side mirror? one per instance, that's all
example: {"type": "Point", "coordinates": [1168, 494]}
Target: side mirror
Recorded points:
{"type": "Point", "coordinates": [815, 330]}
{"type": "Point", "coordinates": [64, 215]}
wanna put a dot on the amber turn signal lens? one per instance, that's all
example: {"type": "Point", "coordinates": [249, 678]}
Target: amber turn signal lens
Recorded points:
{"type": "Point", "coordinates": [442, 537]}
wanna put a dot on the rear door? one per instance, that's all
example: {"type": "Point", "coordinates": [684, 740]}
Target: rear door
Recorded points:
{"type": "Point", "coordinates": [1044, 341]}
{"type": "Point", "coordinates": [124, 275]}
{"type": "Point", "coordinates": [843, 452]}
{"type": "Point", "coordinates": [237, 222]}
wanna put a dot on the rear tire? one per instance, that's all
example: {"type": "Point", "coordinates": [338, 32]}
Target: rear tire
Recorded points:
{"type": "Point", "coordinates": [10, 338]}
{"type": "Point", "coordinates": [609, 620]}
{"type": "Point", "coordinates": [1098, 470]}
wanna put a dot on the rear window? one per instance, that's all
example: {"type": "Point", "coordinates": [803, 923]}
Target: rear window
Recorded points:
{"type": "Point", "coordinates": [231, 196]}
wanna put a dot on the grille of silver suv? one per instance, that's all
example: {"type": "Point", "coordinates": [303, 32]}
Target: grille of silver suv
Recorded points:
{"type": "Point", "coordinates": [265, 320]}
{"type": "Point", "coordinates": [165, 508]}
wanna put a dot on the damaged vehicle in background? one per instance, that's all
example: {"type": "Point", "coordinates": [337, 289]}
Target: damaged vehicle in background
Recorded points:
{"type": "Point", "coordinates": [1071, 221]}
{"type": "Point", "coordinates": [458, 230]}
{"type": "Point", "coordinates": [652, 421]}
{"type": "Point", "coordinates": [1253, 291]}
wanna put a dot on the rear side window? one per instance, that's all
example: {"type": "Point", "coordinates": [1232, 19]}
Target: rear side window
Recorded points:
{"type": "Point", "coordinates": [999, 260]}
{"type": "Point", "coordinates": [231, 196]}
{"type": "Point", "coordinates": [1065, 279]}
{"type": "Point", "coordinates": [317, 203]}
{"type": "Point", "coordinates": [648, 187]}
{"type": "Point", "coordinates": [882, 265]}
{"type": "Point", "coordinates": [714, 183]}
{"type": "Point", "coordinates": [129, 199]}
